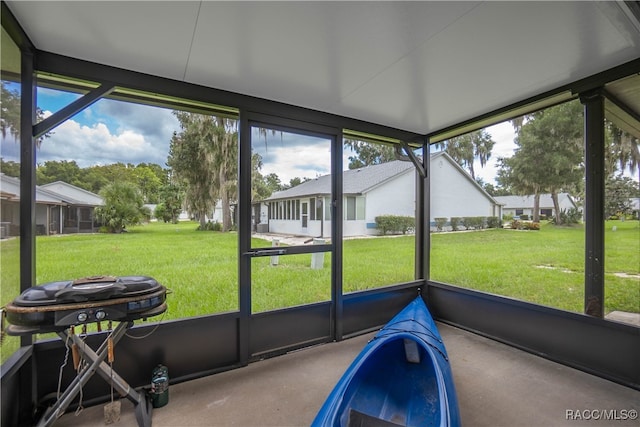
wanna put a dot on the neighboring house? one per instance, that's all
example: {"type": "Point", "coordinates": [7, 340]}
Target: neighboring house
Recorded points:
{"type": "Point", "coordinates": [384, 189]}
{"type": "Point", "coordinates": [60, 208]}
{"type": "Point", "coordinates": [523, 205]}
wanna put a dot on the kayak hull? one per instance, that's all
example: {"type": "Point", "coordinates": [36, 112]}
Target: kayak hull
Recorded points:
{"type": "Point", "coordinates": [401, 377]}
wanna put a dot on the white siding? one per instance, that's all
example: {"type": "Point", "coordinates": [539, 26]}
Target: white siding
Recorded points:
{"type": "Point", "coordinates": [454, 194]}
{"type": "Point", "coordinates": [396, 197]}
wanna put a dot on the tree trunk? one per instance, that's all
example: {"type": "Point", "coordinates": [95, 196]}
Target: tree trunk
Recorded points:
{"type": "Point", "coordinates": [224, 199]}
{"type": "Point", "coordinates": [556, 207]}
{"type": "Point", "coordinates": [203, 220]}
{"type": "Point", "coordinates": [536, 208]}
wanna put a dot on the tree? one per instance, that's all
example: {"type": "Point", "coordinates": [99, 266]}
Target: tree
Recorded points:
{"type": "Point", "coordinates": [368, 153]}
{"type": "Point", "coordinates": [63, 170]}
{"type": "Point", "coordinates": [10, 113]}
{"type": "Point", "coordinates": [549, 157]}
{"type": "Point", "coordinates": [293, 182]}
{"type": "Point", "coordinates": [623, 152]}
{"type": "Point", "coordinates": [171, 199]}
{"type": "Point", "coordinates": [466, 148]}
{"type": "Point", "coordinates": [204, 156]}
{"type": "Point", "coordinates": [10, 109]}
{"type": "Point", "coordinates": [123, 206]}
{"type": "Point", "coordinates": [148, 181]}
{"type": "Point", "coordinates": [618, 194]}
{"type": "Point", "coordinates": [10, 168]}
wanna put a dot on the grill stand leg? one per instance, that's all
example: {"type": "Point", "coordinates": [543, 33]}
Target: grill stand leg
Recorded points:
{"type": "Point", "coordinates": [98, 365]}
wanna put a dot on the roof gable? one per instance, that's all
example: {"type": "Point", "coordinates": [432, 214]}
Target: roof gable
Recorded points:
{"type": "Point", "coordinates": [362, 180]}
{"type": "Point", "coordinates": [73, 194]}
{"type": "Point", "coordinates": [55, 193]}
{"type": "Point", "coordinates": [513, 202]}
{"type": "Point", "coordinates": [355, 181]}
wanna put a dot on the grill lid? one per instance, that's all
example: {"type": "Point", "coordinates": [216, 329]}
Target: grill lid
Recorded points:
{"type": "Point", "coordinates": [93, 288]}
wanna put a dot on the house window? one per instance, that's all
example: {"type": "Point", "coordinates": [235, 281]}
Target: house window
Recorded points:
{"type": "Point", "coordinates": [297, 209]}
{"type": "Point", "coordinates": [319, 209]}
{"type": "Point", "coordinates": [519, 211]}
{"type": "Point", "coordinates": [350, 208]}
{"type": "Point", "coordinates": [354, 208]}
{"type": "Point", "coordinates": [312, 209]}
{"type": "Point", "coordinates": [327, 209]}
{"type": "Point", "coordinates": [360, 208]}
{"type": "Point", "coordinates": [547, 212]}
{"type": "Point", "coordinates": [304, 214]}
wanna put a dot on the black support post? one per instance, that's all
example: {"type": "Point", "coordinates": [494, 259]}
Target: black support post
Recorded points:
{"type": "Point", "coordinates": [28, 379]}
{"type": "Point", "coordinates": [27, 174]}
{"type": "Point", "coordinates": [422, 217]}
{"type": "Point", "coordinates": [244, 237]}
{"type": "Point", "coordinates": [337, 329]}
{"type": "Point", "coordinates": [593, 102]}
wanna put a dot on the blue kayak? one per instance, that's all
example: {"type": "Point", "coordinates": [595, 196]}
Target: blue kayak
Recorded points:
{"type": "Point", "coordinates": [401, 377]}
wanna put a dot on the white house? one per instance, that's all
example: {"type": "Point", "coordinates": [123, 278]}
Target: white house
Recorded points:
{"type": "Point", "coordinates": [384, 189]}
{"type": "Point", "coordinates": [523, 205]}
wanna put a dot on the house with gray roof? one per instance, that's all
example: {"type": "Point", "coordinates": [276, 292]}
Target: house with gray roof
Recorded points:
{"type": "Point", "coordinates": [523, 205]}
{"type": "Point", "coordinates": [60, 208]}
{"type": "Point", "coordinates": [371, 191]}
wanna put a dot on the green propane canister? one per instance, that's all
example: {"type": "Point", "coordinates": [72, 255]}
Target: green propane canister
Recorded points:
{"type": "Point", "coordinates": [160, 386]}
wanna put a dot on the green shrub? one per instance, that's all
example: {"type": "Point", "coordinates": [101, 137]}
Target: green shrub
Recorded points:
{"type": "Point", "coordinates": [493, 222]}
{"type": "Point", "coordinates": [467, 222]}
{"type": "Point", "coordinates": [440, 223]}
{"type": "Point", "coordinates": [524, 217]}
{"type": "Point", "coordinates": [480, 222]}
{"type": "Point", "coordinates": [394, 224]}
{"type": "Point", "coordinates": [210, 226]}
{"type": "Point", "coordinates": [475, 222]}
{"type": "Point", "coordinates": [455, 223]}
{"type": "Point", "coordinates": [123, 206]}
{"type": "Point", "coordinates": [507, 217]}
{"type": "Point", "coordinates": [568, 216]}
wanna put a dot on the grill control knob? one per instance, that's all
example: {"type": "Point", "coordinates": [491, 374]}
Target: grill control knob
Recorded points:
{"type": "Point", "coordinates": [100, 315]}
{"type": "Point", "coordinates": [82, 317]}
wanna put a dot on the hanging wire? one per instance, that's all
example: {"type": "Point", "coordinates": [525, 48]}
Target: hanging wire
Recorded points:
{"type": "Point", "coordinates": [155, 328]}
{"type": "Point", "coordinates": [64, 363]}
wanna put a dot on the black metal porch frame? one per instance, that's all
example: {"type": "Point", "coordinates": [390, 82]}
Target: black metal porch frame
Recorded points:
{"type": "Point", "coordinates": [28, 374]}
{"type": "Point", "coordinates": [261, 334]}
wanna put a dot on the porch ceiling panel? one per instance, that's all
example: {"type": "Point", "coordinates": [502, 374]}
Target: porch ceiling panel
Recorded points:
{"type": "Point", "coordinates": [416, 66]}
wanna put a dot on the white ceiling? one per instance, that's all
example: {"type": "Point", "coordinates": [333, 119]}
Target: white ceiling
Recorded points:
{"type": "Point", "coordinates": [417, 66]}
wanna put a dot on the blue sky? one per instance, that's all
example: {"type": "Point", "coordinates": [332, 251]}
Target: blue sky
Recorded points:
{"type": "Point", "coordinates": [112, 131]}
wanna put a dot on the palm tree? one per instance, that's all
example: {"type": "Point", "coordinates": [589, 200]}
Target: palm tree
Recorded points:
{"type": "Point", "coordinates": [464, 149]}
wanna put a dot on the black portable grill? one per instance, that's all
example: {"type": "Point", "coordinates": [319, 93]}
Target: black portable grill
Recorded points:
{"type": "Point", "coordinates": [54, 306]}
{"type": "Point", "coordinates": [59, 306]}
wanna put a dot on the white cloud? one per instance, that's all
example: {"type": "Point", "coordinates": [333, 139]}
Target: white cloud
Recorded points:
{"type": "Point", "coordinates": [503, 134]}
{"type": "Point", "coordinates": [96, 144]}
{"type": "Point", "coordinates": [300, 161]}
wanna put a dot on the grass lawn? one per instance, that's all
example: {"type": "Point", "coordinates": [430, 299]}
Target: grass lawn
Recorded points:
{"type": "Point", "coordinates": [545, 267]}
{"type": "Point", "coordinates": [201, 269]}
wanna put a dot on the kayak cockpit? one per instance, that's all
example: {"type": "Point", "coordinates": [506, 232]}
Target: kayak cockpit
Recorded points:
{"type": "Point", "coordinates": [375, 396]}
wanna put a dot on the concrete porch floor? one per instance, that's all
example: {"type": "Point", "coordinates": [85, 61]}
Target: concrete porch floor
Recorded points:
{"type": "Point", "coordinates": [497, 385]}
